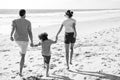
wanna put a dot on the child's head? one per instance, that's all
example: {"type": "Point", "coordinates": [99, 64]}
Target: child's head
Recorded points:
{"type": "Point", "coordinates": [69, 13]}
{"type": "Point", "coordinates": [43, 36]}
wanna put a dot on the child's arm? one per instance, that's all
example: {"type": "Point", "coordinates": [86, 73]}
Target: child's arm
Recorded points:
{"type": "Point", "coordinates": [37, 44]}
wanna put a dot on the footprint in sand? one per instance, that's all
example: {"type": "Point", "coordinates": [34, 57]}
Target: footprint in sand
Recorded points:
{"type": "Point", "coordinates": [59, 62]}
{"type": "Point", "coordinates": [76, 55]}
{"type": "Point", "coordinates": [5, 68]}
{"type": "Point", "coordinates": [52, 66]}
{"type": "Point", "coordinates": [17, 62]}
{"type": "Point", "coordinates": [13, 77]}
{"type": "Point", "coordinates": [4, 50]}
{"type": "Point", "coordinates": [55, 60]}
{"type": "Point", "coordinates": [30, 70]}
{"type": "Point", "coordinates": [9, 64]}
{"type": "Point", "coordinates": [62, 56]}
{"type": "Point", "coordinates": [98, 79]}
{"type": "Point", "coordinates": [25, 66]}
{"type": "Point", "coordinates": [31, 58]}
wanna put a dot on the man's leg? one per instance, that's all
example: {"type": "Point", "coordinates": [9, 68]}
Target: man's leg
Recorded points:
{"type": "Point", "coordinates": [23, 46]}
{"type": "Point", "coordinates": [67, 54]}
{"type": "Point", "coordinates": [71, 53]}
{"type": "Point", "coordinates": [22, 63]}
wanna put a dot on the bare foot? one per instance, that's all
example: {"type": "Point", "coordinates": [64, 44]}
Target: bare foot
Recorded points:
{"type": "Point", "coordinates": [68, 68]}
{"type": "Point", "coordinates": [71, 63]}
{"type": "Point", "coordinates": [20, 75]}
{"type": "Point", "coordinates": [47, 75]}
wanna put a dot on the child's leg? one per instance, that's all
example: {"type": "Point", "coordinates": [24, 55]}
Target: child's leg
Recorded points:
{"type": "Point", "coordinates": [47, 70]}
{"type": "Point", "coordinates": [47, 64]}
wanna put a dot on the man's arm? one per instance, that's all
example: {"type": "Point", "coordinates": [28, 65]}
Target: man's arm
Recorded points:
{"type": "Point", "coordinates": [37, 44]}
{"type": "Point", "coordinates": [59, 30]}
{"type": "Point", "coordinates": [13, 30]}
{"type": "Point", "coordinates": [30, 34]}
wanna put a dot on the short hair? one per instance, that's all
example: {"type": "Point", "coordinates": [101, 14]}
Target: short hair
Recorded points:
{"type": "Point", "coordinates": [43, 36]}
{"type": "Point", "coordinates": [69, 13]}
{"type": "Point", "coordinates": [22, 12]}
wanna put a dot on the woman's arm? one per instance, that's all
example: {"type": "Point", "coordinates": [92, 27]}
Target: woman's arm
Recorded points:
{"type": "Point", "coordinates": [55, 40]}
{"type": "Point", "coordinates": [59, 30]}
{"type": "Point", "coordinates": [74, 24]}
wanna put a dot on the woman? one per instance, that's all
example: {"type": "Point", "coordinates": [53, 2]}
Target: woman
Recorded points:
{"type": "Point", "coordinates": [70, 35]}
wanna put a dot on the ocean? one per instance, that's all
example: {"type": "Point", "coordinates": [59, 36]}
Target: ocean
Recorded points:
{"type": "Point", "coordinates": [87, 20]}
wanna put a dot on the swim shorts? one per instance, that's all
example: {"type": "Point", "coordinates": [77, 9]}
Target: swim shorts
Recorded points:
{"type": "Point", "coordinates": [69, 38]}
{"type": "Point", "coordinates": [23, 46]}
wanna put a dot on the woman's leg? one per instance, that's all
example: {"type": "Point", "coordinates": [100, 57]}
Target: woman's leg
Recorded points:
{"type": "Point", "coordinates": [71, 53]}
{"type": "Point", "coordinates": [67, 54]}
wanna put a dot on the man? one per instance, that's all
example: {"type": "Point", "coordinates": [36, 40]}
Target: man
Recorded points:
{"type": "Point", "coordinates": [21, 28]}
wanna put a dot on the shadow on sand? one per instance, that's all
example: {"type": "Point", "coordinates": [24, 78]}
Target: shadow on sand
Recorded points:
{"type": "Point", "coordinates": [98, 74]}
{"type": "Point", "coordinates": [53, 77]}
{"type": "Point", "coordinates": [60, 77]}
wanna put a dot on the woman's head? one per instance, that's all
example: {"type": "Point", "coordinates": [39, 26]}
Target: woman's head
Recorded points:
{"type": "Point", "coordinates": [43, 36]}
{"type": "Point", "coordinates": [69, 13]}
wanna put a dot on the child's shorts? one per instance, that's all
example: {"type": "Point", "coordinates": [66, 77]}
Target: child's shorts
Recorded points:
{"type": "Point", "coordinates": [69, 38]}
{"type": "Point", "coordinates": [46, 59]}
{"type": "Point", "coordinates": [23, 46]}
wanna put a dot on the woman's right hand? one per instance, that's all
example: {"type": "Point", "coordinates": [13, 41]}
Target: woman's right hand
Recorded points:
{"type": "Point", "coordinates": [11, 38]}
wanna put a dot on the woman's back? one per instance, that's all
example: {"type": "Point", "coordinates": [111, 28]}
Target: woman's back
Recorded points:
{"type": "Point", "coordinates": [68, 24]}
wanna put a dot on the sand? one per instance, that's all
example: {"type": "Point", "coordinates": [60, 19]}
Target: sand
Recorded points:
{"type": "Point", "coordinates": [96, 57]}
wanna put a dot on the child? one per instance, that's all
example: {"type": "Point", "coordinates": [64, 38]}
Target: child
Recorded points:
{"type": "Point", "coordinates": [46, 53]}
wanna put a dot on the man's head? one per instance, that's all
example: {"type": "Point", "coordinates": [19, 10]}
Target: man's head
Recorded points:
{"type": "Point", "coordinates": [22, 13]}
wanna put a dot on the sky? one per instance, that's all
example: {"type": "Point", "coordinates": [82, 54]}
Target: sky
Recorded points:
{"type": "Point", "coordinates": [59, 4]}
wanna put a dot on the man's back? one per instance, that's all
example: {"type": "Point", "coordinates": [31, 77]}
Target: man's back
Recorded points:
{"type": "Point", "coordinates": [21, 25]}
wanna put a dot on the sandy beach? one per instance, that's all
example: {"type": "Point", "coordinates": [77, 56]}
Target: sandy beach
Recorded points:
{"type": "Point", "coordinates": [96, 52]}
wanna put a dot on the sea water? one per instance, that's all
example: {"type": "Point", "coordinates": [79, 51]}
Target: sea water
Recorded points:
{"type": "Point", "coordinates": [83, 18]}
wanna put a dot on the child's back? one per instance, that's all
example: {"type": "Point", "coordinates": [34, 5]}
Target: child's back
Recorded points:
{"type": "Point", "coordinates": [46, 47]}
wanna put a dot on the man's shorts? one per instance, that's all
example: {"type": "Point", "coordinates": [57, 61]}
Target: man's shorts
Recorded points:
{"type": "Point", "coordinates": [69, 38]}
{"type": "Point", "coordinates": [46, 59]}
{"type": "Point", "coordinates": [23, 46]}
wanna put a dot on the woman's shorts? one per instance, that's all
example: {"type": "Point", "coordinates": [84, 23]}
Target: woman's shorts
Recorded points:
{"type": "Point", "coordinates": [46, 59]}
{"type": "Point", "coordinates": [69, 38]}
{"type": "Point", "coordinates": [23, 46]}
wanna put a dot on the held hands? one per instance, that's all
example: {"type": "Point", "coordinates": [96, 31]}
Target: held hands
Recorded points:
{"type": "Point", "coordinates": [33, 45]}
{"type": "Point", "coordinates": [56, 38]}
{"type": "Point", "coordinates": [11, 38]}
